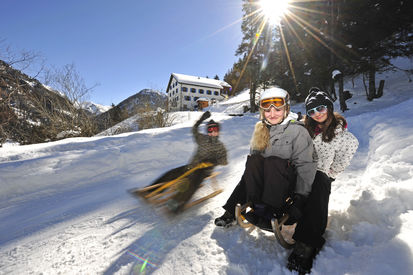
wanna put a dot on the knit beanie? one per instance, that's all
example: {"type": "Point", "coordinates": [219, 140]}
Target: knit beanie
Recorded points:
{"type": "Point", "coordinates": [316, 97]}
{"type": "Point", "coordinates": [212, 124]}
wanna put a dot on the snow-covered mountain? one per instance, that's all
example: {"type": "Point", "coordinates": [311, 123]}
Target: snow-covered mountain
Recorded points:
{"type": "Point", "coordinates": [64, 206]}
{"type": "Point", "coordinates": [144, 101]}
{"type": "Point", "coordinates": [95, 108]}
{"type": "Point", "coordinates": [146, 98]}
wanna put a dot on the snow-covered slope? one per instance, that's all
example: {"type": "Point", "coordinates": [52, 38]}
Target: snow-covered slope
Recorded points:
{"type": "Point", "coordinates": [64, 206]}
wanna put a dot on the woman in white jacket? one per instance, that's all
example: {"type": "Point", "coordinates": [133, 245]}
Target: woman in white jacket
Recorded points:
{"type": "Point", "coordinates": [334, 148]}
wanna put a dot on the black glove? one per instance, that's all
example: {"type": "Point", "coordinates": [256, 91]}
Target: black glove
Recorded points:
{"type": "Point", "coordinates": [295, 208]}
{"type": "Point", "coordinates": [205, 115]}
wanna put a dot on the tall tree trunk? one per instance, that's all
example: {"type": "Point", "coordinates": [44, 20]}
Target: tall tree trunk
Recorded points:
{"type": "Point", "coordinates": [364, 84]}
{"type": "Point", "coordinates": [372, 82]}
{"type": "Point", "coordinates": [253, 90]}
{"type": "Point", "coordinates": [333, 89]}
{"type": "Point", "coordinates": [380, 89]}
{"type": "Point", "coordinates": [342, 100]}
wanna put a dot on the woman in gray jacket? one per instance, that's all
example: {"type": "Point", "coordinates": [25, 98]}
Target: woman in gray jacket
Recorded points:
{"type": "Point", "coordinates": [280, 164]}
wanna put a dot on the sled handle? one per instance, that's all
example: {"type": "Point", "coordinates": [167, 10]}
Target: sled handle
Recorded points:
{"type": "Point", "coordinates": [238, 215]}
{"type": "Point", "coordinates": [277, 227]}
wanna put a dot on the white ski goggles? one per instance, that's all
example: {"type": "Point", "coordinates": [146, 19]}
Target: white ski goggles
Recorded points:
{"type": "Point", "coordinates": [319, 109]}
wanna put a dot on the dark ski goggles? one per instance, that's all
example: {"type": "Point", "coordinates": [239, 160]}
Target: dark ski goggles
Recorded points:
{"type": "Point", "coordinates": [319, 109]}
{"type": "Point", "coordinates": [277, 102]}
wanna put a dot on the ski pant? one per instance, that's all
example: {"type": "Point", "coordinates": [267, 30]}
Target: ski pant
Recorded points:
{"type": "Point", "coordinates": [172, 174]}
{"type": "Point", "coordinates": [268, 181]}
{"type": "Point", "coordinates": [190, 184]}
{"type": "Point", "coordinates": [312, 225]}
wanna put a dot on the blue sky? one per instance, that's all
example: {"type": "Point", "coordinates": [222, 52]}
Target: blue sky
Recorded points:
{"type": "Point", "coordinates": [127, 45]}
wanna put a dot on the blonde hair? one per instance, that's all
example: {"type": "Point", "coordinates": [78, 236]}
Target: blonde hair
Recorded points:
{"type": "Point", "coordinates": [261, 136]}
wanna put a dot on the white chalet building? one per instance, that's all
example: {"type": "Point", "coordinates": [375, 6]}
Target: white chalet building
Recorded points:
{"type": "Point", "coordinates": [184, 91]}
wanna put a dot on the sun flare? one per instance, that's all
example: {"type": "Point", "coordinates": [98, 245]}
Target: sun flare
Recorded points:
{"type": "Point", "coordinates": [274, 10]}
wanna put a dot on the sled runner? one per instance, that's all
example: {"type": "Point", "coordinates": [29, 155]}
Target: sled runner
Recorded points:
{"type": "Point", "coordinates": [172, 195]}
{"type": "Point", "coordinates": [282, 232]}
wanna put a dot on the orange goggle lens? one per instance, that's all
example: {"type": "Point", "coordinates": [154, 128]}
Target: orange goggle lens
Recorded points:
{"type": "Point", "coordinates": [278, 102]}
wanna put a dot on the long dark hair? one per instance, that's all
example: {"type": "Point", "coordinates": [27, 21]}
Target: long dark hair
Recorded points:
{"type": "Point", "coordinates": [329, 126]}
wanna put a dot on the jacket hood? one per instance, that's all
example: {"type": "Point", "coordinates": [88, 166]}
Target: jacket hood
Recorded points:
{"type": "Point", "coordinates": [261, 135]}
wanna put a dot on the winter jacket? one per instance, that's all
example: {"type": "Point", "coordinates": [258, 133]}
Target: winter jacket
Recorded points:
{"type": "Point", "coordinates": [210, 149]}
{"type": "Point", "coordinates": [291, 141]}
{"type": "Point", "coordinates": [334, 156]}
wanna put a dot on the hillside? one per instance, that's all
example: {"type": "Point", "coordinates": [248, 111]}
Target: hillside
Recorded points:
{"type": "Point", "coordinates": [31, 112]}
{"type": "Point", "coordinates": [133, 108]}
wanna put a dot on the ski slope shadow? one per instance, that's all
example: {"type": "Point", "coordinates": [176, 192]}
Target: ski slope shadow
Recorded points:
{"type": "Point", "coordinates": [149, 251]}
{"type": "Point", "coordinates": [251, 251]}
{"type": "Point", "coordinates": [35, 214]}
{"type": "Point", "coordinates": [366, 238]}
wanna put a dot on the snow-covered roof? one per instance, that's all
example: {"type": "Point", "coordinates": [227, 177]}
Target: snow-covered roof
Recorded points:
{"type": "Point", "coordinates": [202, 99]}
{"type": "Point", "coordinates": [200, 81]}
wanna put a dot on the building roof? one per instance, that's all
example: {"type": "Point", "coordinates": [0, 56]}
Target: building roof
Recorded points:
{"type": "Point", "coordinates": [200, 81]}
{"type": "Point", "coordinates": [202, 99]}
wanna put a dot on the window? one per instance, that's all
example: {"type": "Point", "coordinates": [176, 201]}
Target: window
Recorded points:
{"type": "Point", "coordinates": [193, 90]}
{"type": "Point", "coordinates": [209, 92]}
{"type": "Point", "coordinates": [216, 93]}
{"type": "Point", "coordinates": [187, 98]}
{"type": "Point", "coordinates": [176, 91]}
{"type": "Point", "coordinates": [184, 89]}
{"type": "Point", "coordinates": [201, 91]}
{"type": "Point", "coordinates": [195, 98]}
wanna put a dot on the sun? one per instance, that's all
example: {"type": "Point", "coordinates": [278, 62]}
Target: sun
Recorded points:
{"type": "Point", "coordinates": [274, 10]}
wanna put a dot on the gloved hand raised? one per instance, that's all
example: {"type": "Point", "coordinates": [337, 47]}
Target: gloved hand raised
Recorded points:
{"type": "Point", "coordinates": [205, 115]}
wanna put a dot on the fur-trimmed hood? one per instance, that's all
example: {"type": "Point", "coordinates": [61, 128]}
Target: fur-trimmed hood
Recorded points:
{"type": "Point", "coordinates": [261, 135]}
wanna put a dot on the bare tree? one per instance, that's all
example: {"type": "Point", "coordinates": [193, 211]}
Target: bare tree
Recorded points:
{"type": "Point", "coordinates": [68, 81]}
{"type": "Point", "coordinates": [22, 60]}
{"type": "Point", "coordinates": [31, 112]}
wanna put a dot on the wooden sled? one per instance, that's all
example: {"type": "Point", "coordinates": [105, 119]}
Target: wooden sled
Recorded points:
{"type": "Point", "coordinates": [282, 232]}
{"type": "Point", "coordinates": [159, 194]}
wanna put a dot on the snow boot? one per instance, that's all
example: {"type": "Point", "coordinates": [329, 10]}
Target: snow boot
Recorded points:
{"type": "Point", "coordinates": [301, 259]}
{"type": "Point", "coordinates": [225, 220]}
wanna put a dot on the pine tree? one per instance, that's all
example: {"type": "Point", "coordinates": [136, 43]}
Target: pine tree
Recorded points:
{"type": "Point", "coordinates": [378, 30]}
{"type": "Point", "coordinates": [254, 47]}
